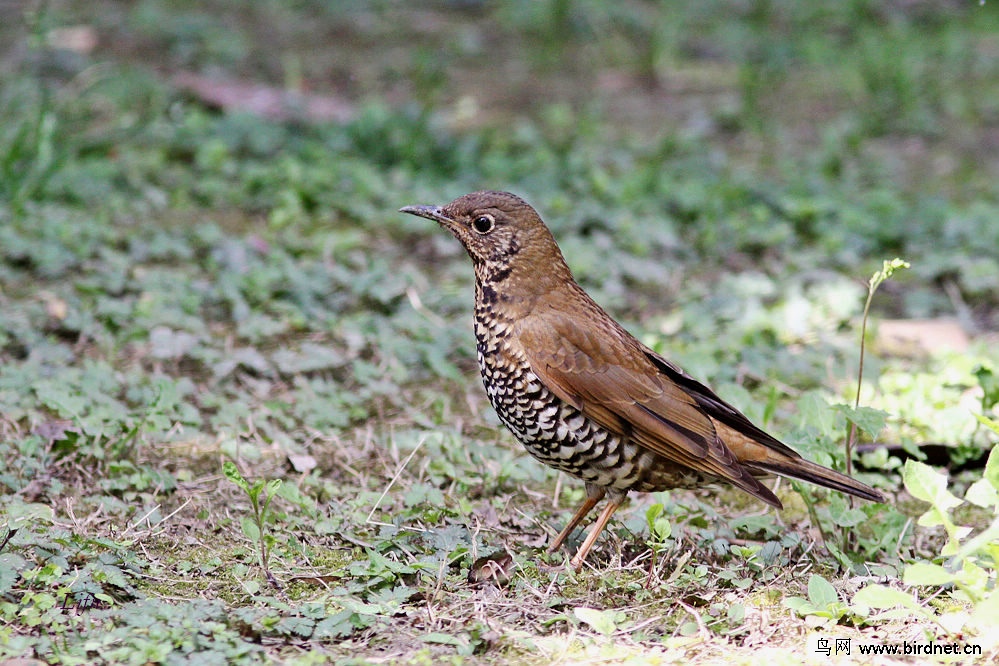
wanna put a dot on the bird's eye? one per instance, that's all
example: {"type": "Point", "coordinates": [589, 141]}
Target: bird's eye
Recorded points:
{"type": "Point", "coordinates": [483, 224]}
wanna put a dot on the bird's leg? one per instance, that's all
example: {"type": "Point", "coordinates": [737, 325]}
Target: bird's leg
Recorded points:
{"type": "Point", "coordinates": [612, 505]}
{"type": "Point", "coordinates": [593, 495]}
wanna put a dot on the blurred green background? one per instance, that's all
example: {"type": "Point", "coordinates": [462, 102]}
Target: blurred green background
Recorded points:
{"type": "Point", "coordinates": [201, 259]}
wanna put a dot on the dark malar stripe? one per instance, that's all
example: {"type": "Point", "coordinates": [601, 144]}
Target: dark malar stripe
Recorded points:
{"type": "Point", "coordinates": [499, 275]}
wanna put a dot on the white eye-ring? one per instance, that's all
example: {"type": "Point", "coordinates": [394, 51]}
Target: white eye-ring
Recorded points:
{"type": "Point", "coordinates": [483, 224]}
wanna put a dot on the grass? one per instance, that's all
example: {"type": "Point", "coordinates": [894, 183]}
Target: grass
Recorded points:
{"type": "Point", "coordinates": [241, 419]}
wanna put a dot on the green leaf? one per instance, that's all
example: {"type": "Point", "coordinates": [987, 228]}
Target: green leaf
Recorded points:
{"type": "Point", "coordinates": [231, 472]}
{"type": "Point", "coordinates": [888, 269]}
{"type": "Point", "coordinates": [987, 610]}
{"type": "Point", "coordinates": [815, 411]}
{"type": "Point", "coordinates": [991, 473]}
{"type": "Point", "coordinates": [988, 423]}
{"type": "Point", "coordinates": [19, 512]}
{"type": "Point", "coordinates": [292, 493]}
{"type": "Point", "coordinates": [689, 629]}
{"type": "Point", "coordinates": [604, 622]}
{"type": "Point", "coordinates": [250, 528]}
{"type": "Point", "coordinates": [870, 420]}
{"type": "Point", "coordinates": [736, 613]}
{"type": "Point", "coordinates": [443, 639]}
{"type": "Point", "coordinates": [821, 592]}
{"type": "Point", "coordinates": [660, 528]}
{"type": "Point", "coordinates": [11, 565]}
{"type": "Point", "coordinates": [989, 382]}
{"type": "Point", "coordinates": [844, 516]}
{"type": "Point", "coordinates": [879, 596]}
{"type": "Point", "coordinates": [254, 490]}
{"type": "Point", "coordinates": [982, 493]}
{"type": "Point", "coordinates": [925, 483]}
{"type": "Point", "coordinates": [801, 606]}
{"type": "Point", "coordinates": [985, 543]}
{"type": "Point", "coordinates": [927, 573]}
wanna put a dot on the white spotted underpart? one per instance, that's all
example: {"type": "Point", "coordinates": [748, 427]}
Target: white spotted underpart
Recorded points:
{"type": "Point", "coordinates": [555, 432]}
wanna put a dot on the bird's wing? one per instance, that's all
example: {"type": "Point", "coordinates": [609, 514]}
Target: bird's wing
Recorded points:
{"type": "Point", "coordinates": [622, 390]}
{"type": "Point", "coordinates": [716, 408]}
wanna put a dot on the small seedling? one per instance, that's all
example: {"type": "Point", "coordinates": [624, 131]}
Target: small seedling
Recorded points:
{"type": "Point", "coordinates": [887, 270]}
{"type": "Point", "coordinates": [660, 530]}
{"type": "Point", "coordinates": [260, 493]}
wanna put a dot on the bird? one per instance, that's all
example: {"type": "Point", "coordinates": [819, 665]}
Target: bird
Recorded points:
{"type": "Point", "coordinates": [586, 397]}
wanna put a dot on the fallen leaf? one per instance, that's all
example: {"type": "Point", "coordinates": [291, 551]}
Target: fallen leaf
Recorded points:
{"type": "Point", "coordinates": [914, 337]}
{"type": "Point", "coordinates": [80, 39]}
{"type": "Point", "coordinates": [495, 568]}
{"type": "Point", "coordinates": [262, 100]}
{"type": "Point", "coordinates": [302, 463]}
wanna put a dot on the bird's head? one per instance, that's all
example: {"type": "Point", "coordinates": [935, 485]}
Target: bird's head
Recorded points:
{"type": "Point", "coordinates": [502, 234]}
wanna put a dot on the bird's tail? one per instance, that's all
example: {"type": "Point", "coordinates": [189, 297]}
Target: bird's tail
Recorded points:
{"type": "Point", "coordinates": [804, 470]}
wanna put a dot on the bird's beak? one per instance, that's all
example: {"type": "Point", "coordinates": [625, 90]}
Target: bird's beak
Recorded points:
{"type": "Point", "coordinates": [430, 212]}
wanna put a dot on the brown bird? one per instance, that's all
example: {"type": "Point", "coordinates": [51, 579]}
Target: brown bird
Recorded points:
{"type": "Point", "coordinates": [582, 394]}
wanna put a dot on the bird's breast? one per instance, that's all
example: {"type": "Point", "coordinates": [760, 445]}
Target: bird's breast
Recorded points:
{"type": "Point", "coordinates": [553, 431]}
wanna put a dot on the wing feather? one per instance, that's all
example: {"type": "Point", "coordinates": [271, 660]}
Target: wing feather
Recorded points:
{"type": "Point", "coordinates": [621, 389]}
